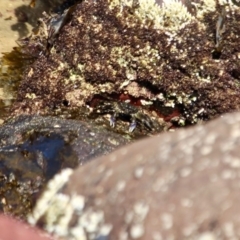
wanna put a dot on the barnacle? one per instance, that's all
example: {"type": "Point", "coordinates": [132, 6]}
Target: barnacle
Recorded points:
{"type": "Point", "coordinates": [160, 53]}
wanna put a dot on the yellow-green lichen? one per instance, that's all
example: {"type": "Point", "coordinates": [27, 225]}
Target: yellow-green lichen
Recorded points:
{"type": "Point", "coordinates": [161, 53]}
{"type": "Point", "coordinates": [172, 15]}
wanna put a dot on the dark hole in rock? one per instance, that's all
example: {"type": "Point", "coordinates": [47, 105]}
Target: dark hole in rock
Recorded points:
{"type": "Point", "coordinates": [216, 54]}
{"type": "Point", "coordinates": [235, 73]}
{"type": "Point", "coordinates": [65, 103]}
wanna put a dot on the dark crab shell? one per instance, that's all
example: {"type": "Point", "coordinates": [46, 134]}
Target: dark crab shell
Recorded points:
{"type": "Point", "coordinates": [121, 110]}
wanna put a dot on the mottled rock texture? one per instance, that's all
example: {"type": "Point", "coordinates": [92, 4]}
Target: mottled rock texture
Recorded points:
{"type": "Point", "coordinates": [17, 19]}
{"type": "Point", "coordinates": [164, 55]}
{"type": "Point", "coordinates": [182, 185]}
{"type": "Point", "coordinates": [33, 149]}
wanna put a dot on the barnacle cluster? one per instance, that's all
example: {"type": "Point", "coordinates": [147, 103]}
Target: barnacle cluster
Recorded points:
{"type": "Point", "coordinates": [162, 54]}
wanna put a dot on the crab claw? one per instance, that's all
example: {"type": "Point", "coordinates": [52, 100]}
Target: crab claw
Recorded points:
{"type": "Point", "coordinates": [112, 121]}
{"type": "Point", "coordinates": [132, 126]}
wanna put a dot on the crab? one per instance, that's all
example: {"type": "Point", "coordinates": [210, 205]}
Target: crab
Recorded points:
{"type": "Point", "coordinates": [121, 110]}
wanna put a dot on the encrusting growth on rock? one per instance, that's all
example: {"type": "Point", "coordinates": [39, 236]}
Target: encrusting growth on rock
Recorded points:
{"type": "Point", "coordinates": [160, 56]}
{"type": "Point", "coordinates": [183, 185]}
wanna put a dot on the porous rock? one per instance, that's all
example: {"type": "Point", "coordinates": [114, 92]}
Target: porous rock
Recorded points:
{"type": "Point", "coordinates": [164, 54]}
{"type": "Point", "coordinates": [181, 185]}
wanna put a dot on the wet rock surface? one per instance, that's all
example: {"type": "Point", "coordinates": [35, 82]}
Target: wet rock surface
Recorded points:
{"type": "Point", "coordinates": [183, 185]}
{"type": "Point", "coordinates": [33, 149]}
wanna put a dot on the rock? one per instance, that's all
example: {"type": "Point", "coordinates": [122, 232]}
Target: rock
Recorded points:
{"type": "Point", "coordinates": [176, 62]}
{"type": "Point", "coordinates": [33, 149]}
{"type": "Point", "coordinates": [181, 185]}
{"type": "Point", "coordinates": [17, 19]}
{"type": "Point", "coordinates": [13, 229]}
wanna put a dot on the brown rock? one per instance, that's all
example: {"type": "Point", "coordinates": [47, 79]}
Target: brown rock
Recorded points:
{"type": "Point", "coordinates": [161, 57]}
{"type": "Point", "coordinates": [182, 185]}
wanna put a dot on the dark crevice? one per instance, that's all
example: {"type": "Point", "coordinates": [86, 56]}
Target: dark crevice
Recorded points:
{"type": "Point", "coordinates": [216, 54]}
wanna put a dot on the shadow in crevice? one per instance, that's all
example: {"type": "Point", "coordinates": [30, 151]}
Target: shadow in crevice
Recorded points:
{"type": "Point", "coordinates": [27, 15]}
{"type": "Point", "coordinates": [30, 15]}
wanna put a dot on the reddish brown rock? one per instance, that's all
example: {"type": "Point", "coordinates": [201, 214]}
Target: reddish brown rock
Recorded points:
{"type": "Point", "coordinates": [11, 229]}
{"type": "Point", "coordinates": [173, 65]}
{"type": "Point", "coordinates": [182, 185]}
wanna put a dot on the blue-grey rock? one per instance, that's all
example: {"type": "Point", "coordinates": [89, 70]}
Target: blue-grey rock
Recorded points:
{"type": "Point", "coordinates": [34, 148]}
